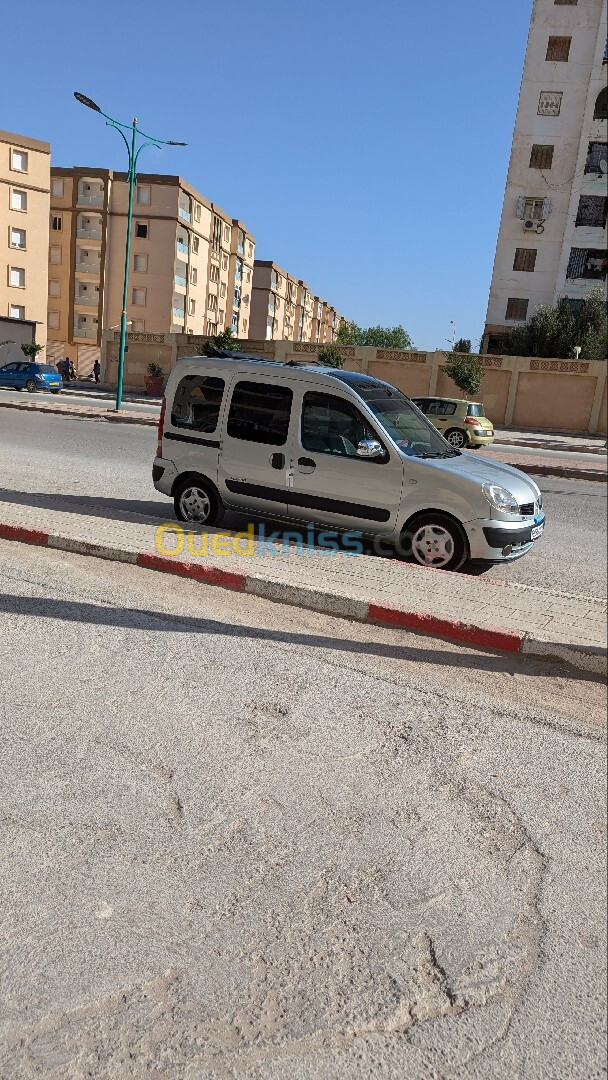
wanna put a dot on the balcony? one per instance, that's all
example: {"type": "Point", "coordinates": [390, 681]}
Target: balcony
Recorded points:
{"type": "Point", "coordinates": [90, 199]}
{"type": "Point", "coordinates": [88, 268]}
{"type": "Point", "coordinates": [184, 214]}
{"type": "Point", "coordinates": [88, 234]}
{"type": "Point", "coordinates": [182, 248]}
{"type": "Point", "coordinates": [180, 282]}
{"type": "Point", "coordinates": [88, 301]}
{"type": "Point", "coordinates": [85, 332]}
{"type": "Point", "coordinates": [179, 314]}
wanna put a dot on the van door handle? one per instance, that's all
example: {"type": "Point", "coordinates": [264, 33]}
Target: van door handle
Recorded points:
{"type": "Point", "coordinates": [306, 464]}
{"type": "Point", "coordinates": [277, 461]}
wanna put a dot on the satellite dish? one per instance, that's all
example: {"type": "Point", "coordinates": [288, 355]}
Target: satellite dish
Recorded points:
{"type": "Point", "coordinates": [603, 166]}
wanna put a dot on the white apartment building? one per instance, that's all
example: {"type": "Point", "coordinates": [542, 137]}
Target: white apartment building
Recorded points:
{"type": "Point", "coordinates": [552, 236]}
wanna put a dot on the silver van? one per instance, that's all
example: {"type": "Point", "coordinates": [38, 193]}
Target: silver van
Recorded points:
{"type": "Point", "coordinates": [337, 449]}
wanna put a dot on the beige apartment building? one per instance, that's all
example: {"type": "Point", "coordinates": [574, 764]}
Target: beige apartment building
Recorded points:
{"type": "Point", "coordinates": [284, 309]}
{"type": "Point", "coordinates": [24, 217]}
{"type": "Point", "coordinates": [552, 237]}
{"type": "Point", "coordinates": [188, 261]}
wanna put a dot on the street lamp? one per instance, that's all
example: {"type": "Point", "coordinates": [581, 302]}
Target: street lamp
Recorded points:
{"type": "Point", "coordinates": [133, 151]}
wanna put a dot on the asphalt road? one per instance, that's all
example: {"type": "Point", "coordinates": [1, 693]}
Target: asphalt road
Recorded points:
{"type": "Point", "coordinates": [92, 464]}
{"type": "Point", "coordinates": [242, 840]}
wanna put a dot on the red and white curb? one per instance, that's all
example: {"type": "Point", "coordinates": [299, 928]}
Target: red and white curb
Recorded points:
{"type": "Point", "coordinates": [586, 657]}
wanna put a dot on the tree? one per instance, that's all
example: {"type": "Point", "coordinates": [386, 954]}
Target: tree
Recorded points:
{"type": "Point", "coordinates": [466, 372]}
{"type": "Point", "coordinates": [330, 356]}
{"type": "Point", "coordinates": [224, 342]}
{"type": "Point", "coordinates": [382, 337]}
{"type": "Point", "coordinates": [31, 350]}
{"type": "Point", "coordinates": [462, 345]}
{"type": "Point", "coordinates": [556, 331]}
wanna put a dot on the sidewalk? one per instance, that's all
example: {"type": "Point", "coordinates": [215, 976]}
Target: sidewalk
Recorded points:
{"type": "Point", "coordinates": [552, 440]}
{"type": "Point", "coordinates": [477, 610]}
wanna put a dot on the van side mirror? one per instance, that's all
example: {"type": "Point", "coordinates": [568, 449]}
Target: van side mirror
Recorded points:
{"type": "Point", "coordinates": [370, 448]}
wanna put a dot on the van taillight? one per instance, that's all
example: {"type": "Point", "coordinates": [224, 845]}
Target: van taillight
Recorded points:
{"type": "Point", "coordinates": [161, 425]}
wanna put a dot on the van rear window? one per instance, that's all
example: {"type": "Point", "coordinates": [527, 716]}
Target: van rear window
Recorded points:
{"type": "Point", "coordinates": [197, 401]}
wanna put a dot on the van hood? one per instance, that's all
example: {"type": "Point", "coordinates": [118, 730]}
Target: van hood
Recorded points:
{"type": "Point", "coordinates": [484, 470]}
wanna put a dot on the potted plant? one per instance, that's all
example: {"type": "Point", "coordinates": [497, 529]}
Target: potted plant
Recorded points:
{"type": "Point", "coordinates": [154, 380]}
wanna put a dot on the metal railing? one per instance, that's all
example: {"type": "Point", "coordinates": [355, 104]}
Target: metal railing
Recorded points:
{"type": "Point", "coordinates": [89, 234]}
{"type": "Point", "coordinates": [185, 214]}
{"type": "Point", "coordinates": [181, 281]}
{"type": "Point", "coordinates": [83, 331]}
{"type": "Point", "coordinates": [88, 268]}
{"type": "Point", "coordinates": [89, 301]}
{"type": "Point", "coordinates": [183, 248]}
{"type": "Point", "coordinates": [89, 200]}
{"type": "Point", "coordinates": [179, 314]}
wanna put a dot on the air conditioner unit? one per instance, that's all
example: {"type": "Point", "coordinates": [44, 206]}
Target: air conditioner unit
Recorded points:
{"type": "Point", "coordinates": [530, 225]}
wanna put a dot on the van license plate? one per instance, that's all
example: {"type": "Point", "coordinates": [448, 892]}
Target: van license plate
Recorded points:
{"type": "Point", "coordinates": [536, 532]}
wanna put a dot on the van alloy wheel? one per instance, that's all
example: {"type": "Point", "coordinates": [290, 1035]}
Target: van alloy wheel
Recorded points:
{"type": "Point", "coordinates": [196, 500]}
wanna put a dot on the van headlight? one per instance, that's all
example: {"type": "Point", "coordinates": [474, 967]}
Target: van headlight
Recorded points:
{"type": "Point", "coordinates": [500, 499]}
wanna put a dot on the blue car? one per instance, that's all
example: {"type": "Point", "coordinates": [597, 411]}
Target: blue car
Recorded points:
{"type": "Point", "coordinates": [24, 375]}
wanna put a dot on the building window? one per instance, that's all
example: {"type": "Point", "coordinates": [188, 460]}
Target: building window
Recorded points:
{"type": "Point", "coordinates": [558, 48]}
{"type": "Point", "coordinates": [244, 325]}
{"type": "Point", "coordinates": [17, 238]}
{"type": "Point", "coordinates": [18, 200]}
{"type": "Point", "coordinates": [16, 311]}
{"type": "Point", "coordinates": [141, 230]}
{"type": "Point", "coordinates": [214, 273]}
{"type": "Point", "coordinates": [56, 222]}
{"type": "Point", "coordinates": [16, 277]}
{"type": "Point", "coordinates": [137, 326]}
{"type": "Point", "coordinates": [55, 254]}
{"type": "Point", "coordinates": [541, 157]}
{"type": "Point", "coordinates": [222, 289]}
{"type": "Point", "coordinates": [138, 297]}
{"type": "Point", "coordinates": [269, 328]}
{"type": "Point", "coordinates": [197, 211]}
{"type": "Point", "coordinates": [532, 209]}
{"type": "Point", "coordinates": [195, 243]}
{"type": "Point", "coordinates": [525, 259]}
{"type": "Point", "coordinates": [225, 262]}
{"type": "Point", "coordinates": [549, 103]}
{"type": "Point", "coordinates": [143, 194]}
{"type": "Point", "coordinates": [19, 160]}
{"type": "Point", "coordinates": [601, 105]}
{"type": "Point", "coordinates": [53, 320]}
{"type": "Point", "coordinates": [140, 263]}
{"type": "Point", "coordinates": [517, 309]}
{"type": "Point", "coordinates": [250, 249]}
{"type": "Point", "coordinates": [587, 263]}
{"type": "Point", "coordinates": [238, 270]}
{"type": "Point", "coordinates": [592, 211]}
{"type": "Point", "coordinates": [216, 234]}
{"type": "Point", "coordinates": [191, 307]}
{"type": "Point", "coordinates": [240, 242]}
{"type": "Point", "coordinates": [193, 275]}
{"type": "Point", "coordinates": [237, 296]}
{"type": "Point", "coordinates": [212, 302]}
{"type": "Point", "coordinates": [597, 152]}
{"type": "Point", "coordinates": [57, 189]}
{"type": "Point", "coordinates": [54, 287]}
{"type": "Point", "coordinates": [235, 321]}
{"type": "Point", "coordinates": [227, 233]}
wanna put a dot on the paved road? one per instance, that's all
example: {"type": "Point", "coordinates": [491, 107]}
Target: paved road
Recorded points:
{"type": "Point", "coordinates": [98, 469]}
{"type": "Point", "coordinates": [241, 840]}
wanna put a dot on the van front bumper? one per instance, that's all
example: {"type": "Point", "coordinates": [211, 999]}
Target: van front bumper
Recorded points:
{"type": "Point", "coordinates": [492, 540]}
{"type": "Point", "coordinates": [164, 473]}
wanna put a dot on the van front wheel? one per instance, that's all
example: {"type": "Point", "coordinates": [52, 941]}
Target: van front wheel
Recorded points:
{"type": "Point", "coordinates": [195, 500]}
{"type": "Point", "coordinates": [435, 540]}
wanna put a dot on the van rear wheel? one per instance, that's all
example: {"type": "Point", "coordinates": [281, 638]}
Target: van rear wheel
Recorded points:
{"type": "Point", "coordinates": [435, 540]}
{"type": "Point", "coordinates": [196, 500]}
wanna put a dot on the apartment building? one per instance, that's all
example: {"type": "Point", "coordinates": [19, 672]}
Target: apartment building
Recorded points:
{"type": "Point", "coordinates": [552, 236]}
{"type": "Point", "coordinates": [283, 308]}
{"type": "Point", "coordinates": [184, 259]}
{"type": "Point", "coordinates": [24, 229]}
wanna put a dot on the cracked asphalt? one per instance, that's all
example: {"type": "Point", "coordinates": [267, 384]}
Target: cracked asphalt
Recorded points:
{"type": "Point", "coordinates": [244, 840]}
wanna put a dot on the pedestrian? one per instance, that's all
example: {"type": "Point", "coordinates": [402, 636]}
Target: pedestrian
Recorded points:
{"type": "Point", "coordinates": [96, 370]}
{"type": "Point", "coordinates": [72, 370]}
{"type": "Point", "coordinates": [66, 369]}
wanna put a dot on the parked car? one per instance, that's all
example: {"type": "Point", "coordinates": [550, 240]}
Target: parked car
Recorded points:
{"type": "Point", "coordinates": [463, 423]}
{"type": "Point", "coordinates": [335, 448]}
{"type": "Point", "coordinates": [25, 375]}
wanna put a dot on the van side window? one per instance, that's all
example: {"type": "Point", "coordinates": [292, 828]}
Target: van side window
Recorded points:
{"type": "Point", "coordinates": [331, 425]}
{"type": "Point", "coordinates": [197, 401]}
{"type": "Point", "coordinates": [259, 412]}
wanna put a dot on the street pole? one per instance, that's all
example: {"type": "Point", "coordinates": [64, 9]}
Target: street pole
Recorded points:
{"type": "Point", "coordinates": [133, 155]}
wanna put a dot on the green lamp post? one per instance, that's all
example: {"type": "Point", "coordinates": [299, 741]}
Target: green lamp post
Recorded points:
{"type": "Point", "coordinates": [133, 151]}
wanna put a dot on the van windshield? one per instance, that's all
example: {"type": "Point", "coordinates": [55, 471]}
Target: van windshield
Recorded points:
{"type": "Point", "coordinates": [405, 424]}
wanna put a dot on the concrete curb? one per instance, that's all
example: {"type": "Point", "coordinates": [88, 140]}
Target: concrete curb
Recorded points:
{"type": "Point", "coordinates": [567, 448]}
{"type": "Point", "coordinates": [82, 413]}
{"type": "Point", "coordinates": [562, 471]}
{"type": "Point", "coordinates": [588, 658]}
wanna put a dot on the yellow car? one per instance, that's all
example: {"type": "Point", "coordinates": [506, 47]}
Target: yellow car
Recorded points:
{"type": "Point", "coordinates": [462, 423]}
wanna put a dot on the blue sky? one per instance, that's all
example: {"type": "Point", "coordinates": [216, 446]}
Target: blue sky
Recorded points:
{"type": "Point", "coordinates": [364, 144]}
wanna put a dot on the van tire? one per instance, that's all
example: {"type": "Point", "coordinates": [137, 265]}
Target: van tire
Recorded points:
{"type": "Point", "coordinates": [434, 539]}
{"type": "Point", "coordinates": [195, 499]}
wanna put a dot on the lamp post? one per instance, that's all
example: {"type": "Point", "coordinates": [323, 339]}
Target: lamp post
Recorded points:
{"type": "Point", "coordinates": [133, 152]}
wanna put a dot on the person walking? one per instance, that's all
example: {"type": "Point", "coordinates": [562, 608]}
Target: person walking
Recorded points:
{"type": "Point", "coordinates": [97, 370]}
